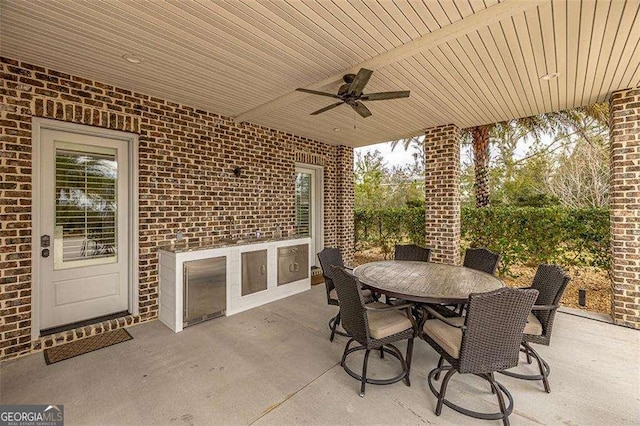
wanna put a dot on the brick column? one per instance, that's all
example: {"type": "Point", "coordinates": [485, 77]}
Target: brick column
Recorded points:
{"type": "Point", "coordinates": [442, 193]}
{"type": "Point", "coordinates": [625, 206]}
{"type": "Point", "coordinates": [344, 201]}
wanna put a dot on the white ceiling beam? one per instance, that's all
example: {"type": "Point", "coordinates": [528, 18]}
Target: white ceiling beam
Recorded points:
{"type": "Point", "coordinates": [464, 26]}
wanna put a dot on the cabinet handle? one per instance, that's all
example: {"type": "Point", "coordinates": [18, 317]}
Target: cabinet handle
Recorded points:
{"type": "Point", "coordinates": [185, 302]}
{"type": "Point", "coordinates": [263, 269]}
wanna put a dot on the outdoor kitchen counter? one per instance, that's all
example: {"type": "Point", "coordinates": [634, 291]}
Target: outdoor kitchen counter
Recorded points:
{"type": "Point", "coordinates": [185, 246]}
{"type": "Point", "coordinates": [282, 262]}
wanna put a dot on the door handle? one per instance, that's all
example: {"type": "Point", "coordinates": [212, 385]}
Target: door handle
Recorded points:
{"type": "Point", "coordinates": [263, 269]}
{"type": "Point", "coordinates": [185, 294]}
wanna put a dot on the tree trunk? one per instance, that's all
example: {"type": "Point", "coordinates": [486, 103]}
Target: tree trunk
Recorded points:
{"type": "Point", "coordinates": [481, 164]}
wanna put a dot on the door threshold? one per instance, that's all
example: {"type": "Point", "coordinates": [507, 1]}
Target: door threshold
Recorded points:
{"type": "Point", "coordinates": [67, 327]}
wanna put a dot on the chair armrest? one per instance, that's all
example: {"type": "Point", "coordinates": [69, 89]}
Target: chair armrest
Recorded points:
{"type": "Point", "coordinates": [445, 320]}
{"type": "Point", "coordinates": [544, 307]}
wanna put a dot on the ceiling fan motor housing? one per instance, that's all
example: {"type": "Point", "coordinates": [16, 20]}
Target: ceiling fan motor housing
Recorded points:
{"type": "Point", "coordinates": [344, 89]}
{"type": "Point", "coordinates": [348, 78]}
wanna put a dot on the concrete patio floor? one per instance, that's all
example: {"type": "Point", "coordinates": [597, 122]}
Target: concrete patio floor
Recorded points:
{"type": "Point", "coordinates": [275, 365]}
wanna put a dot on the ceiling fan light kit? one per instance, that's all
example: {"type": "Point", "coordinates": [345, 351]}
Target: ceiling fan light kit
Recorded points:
{"type": "Point", "coordinates": [351, 93]}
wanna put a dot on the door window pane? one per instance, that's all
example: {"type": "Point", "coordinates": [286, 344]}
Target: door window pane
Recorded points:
{"type": "Point", "coordinates": [303, 204]}
{"type": "Point", "coordinates": [85, 208]}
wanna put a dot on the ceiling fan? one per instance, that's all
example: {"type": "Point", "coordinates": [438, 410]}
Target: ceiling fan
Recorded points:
{"type": "Point", "coordinates": [350, 93]}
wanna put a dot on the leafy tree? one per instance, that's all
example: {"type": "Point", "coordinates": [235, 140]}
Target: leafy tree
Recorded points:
{"type": "Point", "coordinates": [404, 188]}
{"type": "Point", "coordinates": [547, 174]}
{"type": "Point", "coordinates": [526, 186]}
{"type": "Point", "coordinates": [581, 178]}
{"type": "Point", "coordinates": [370, 169]}
{"type": "Point", "coordinates": [577, 121]}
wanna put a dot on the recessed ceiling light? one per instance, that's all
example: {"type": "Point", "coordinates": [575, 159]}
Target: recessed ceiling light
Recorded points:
{"type": "Point", "coordinates": [336, 129]}
{"type": "Point", "coordinates": [550, 76]}
{"type": "Point", "coordinates": [133, 59]}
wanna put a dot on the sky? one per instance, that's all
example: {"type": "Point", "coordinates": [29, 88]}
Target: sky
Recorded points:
{"type": "Point", "coordinates": [398, 157]}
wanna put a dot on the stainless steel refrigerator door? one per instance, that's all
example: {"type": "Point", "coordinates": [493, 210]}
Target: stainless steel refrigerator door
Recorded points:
{"type": "Point", "coordinates": [254, 272]}
{"type": "Point", "coordinates": [205, 289]}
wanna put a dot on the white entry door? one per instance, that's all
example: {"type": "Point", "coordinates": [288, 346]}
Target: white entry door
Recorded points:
{"type": "Point", "coordinates": [84, 253]}
{"type": "Point", "coordinates": [308, 207]}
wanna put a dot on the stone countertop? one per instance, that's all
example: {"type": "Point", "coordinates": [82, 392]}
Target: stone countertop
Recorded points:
{"type": "Point", "coordinates": [185, 246]}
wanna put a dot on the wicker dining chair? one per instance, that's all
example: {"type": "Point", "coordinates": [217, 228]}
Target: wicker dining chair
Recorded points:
{"type": "Point", "coordinates": [411, 252]}
{"type": "Point", "coordinates": [550, 281]}
{"type": "Point", "coordinates": [375, 326]}
{"type": "Point", "coordinates": [329, 257]}
{"type": "Point", "coordinates": [486, 340]}
{"type": "Point", "coordinates": [481, 259]}
{"type": "Point", "coordinates": [408, 252]}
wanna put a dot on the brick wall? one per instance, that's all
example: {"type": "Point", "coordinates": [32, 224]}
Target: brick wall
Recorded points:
{"type": "Point", "coordinates": [345, 203]}
{"type": "Point", "coordinates": [625, 206]}
{"type": "Point", "coordinates": [186, 182]}
{"type": "Point", "coordinates": [442, 193]}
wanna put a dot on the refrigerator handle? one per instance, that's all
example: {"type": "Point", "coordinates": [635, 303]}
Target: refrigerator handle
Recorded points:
{"type": "Point", "coordinates": [185, 293]}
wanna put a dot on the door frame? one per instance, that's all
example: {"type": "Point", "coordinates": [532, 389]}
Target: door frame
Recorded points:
{"type": "Point", "coordinates": [37, 125]}
{"type": "Point", "coordinates": [318, 200]}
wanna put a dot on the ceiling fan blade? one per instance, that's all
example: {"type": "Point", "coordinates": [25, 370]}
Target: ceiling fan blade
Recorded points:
{"type": "Point", "coordinates": [315, 92]}
{"type": "Point", "coordinates": [327, 108]}
{"type": "Point", "coordinates": [361, 109]}
{"type": "Point", "coordinates": [361, 80]}
{"type": "Point", "coordinates": [384, 95]}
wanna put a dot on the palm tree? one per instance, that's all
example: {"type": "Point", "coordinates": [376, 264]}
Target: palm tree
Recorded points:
{"type": "Point", "coordinates": [535, 126]}
{"type": "Point", "coordinates": [480, 135]}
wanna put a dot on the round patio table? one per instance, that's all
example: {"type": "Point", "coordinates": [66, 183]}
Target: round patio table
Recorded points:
{"type": "Point", "coordinates": [425, 282]}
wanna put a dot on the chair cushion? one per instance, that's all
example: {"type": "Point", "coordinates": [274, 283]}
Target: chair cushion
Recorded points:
{"type": "Point", "coordinates": [367, 295]}
{"type": "Point", "coordinates": [386, 323]}
{"type": "Point", "coordinates": [333, 294]}
{"type": "Point", "coordinates": [533, 327]}
{"type": "Point", "coordinates": [447, 337]}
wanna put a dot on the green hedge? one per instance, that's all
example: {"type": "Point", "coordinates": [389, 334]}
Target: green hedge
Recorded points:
{"type": "Point", "coordinates": [522, 235]}
{"type": "Point", "coordinates": [529, 235]}
{"type": "Point", "coordinates": [388, 227]}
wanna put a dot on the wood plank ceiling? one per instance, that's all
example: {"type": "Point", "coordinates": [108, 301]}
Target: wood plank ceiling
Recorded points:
{"type": "Point", "coordinates": [468, 62]}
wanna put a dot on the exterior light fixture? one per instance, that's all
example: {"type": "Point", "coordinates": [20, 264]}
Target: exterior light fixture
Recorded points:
{"type": "Point", "coordinates": [582, 297]}
{"type": "Point", "coordinates": [132, 59]}
{"type": "Point", "coordinates": [550, 76]}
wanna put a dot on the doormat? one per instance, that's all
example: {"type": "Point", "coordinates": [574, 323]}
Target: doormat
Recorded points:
{"type": "Point", "coordinates": [83, 346]}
